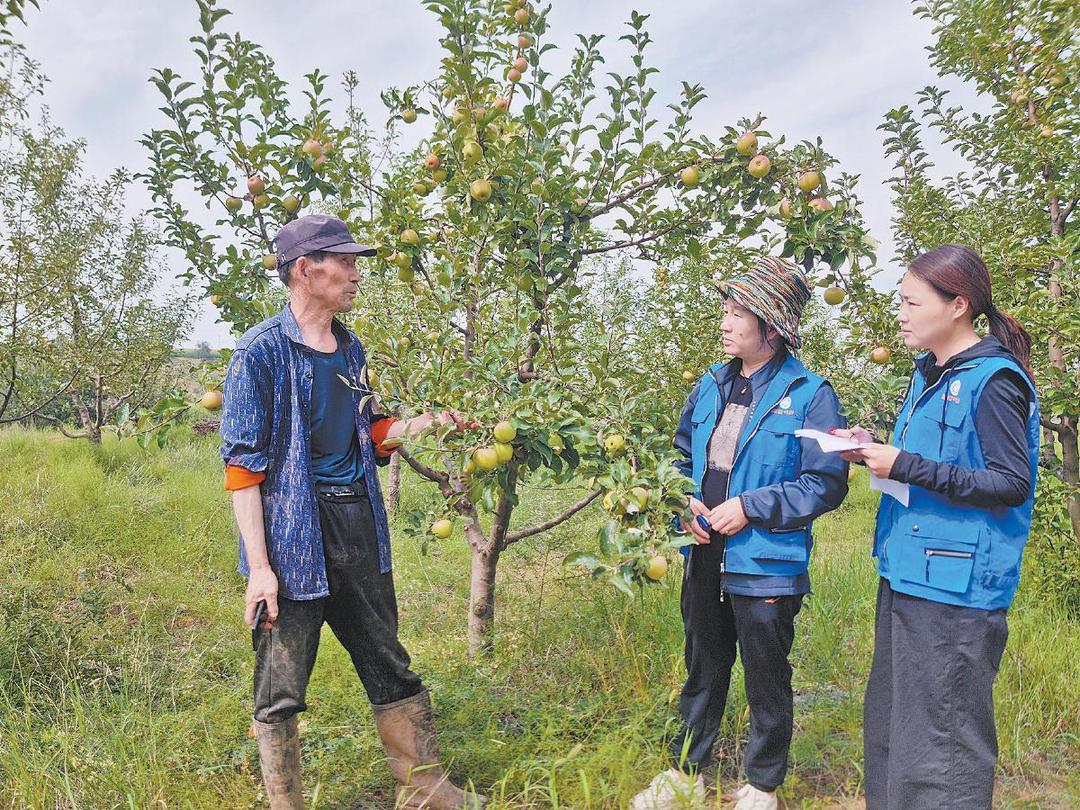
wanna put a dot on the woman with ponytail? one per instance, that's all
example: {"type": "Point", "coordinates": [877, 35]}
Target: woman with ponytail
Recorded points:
{"type": "Point", "coordinates": [966, 444]}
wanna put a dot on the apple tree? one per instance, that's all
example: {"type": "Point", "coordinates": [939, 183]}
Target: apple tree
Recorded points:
{"type": "Point", "coordinates": [502, 235]}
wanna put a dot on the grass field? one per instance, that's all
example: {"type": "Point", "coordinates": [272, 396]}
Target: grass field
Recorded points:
{"type": "Point", "coordinates": [125, 670]}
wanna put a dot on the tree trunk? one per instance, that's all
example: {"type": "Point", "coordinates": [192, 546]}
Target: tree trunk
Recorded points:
{"type": "Point", "coordinates": [393, 484]}
{"type": "Point", "coordinates": [1070, 457]}
{"type": "Point", "coordinates": [482, 601]}
{"type": "Point", "coordinates": [1070, 468]}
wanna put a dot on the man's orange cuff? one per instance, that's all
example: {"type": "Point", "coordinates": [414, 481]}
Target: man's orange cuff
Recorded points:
{"type": "Point", "coordinates": [241, 478]}
{"type": "Point", "coordinates": [378, 436]}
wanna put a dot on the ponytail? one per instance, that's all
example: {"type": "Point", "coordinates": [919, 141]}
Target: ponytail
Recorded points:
{"type": "Point", "coordinates": [1015, 338]}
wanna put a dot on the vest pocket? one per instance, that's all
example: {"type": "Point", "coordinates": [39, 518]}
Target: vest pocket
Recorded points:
{"type": "Point", "coordinates": [771, 545]}
{"type": "Point", "coordinates": [937, 562]}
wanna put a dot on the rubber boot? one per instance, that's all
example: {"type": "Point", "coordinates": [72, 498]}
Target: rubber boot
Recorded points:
{"type": "Point", "coordinates": [407, 730]}
{"type": "Point", "coordinates": [279, 756]}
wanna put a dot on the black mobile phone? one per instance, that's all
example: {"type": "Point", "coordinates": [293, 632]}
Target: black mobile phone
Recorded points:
{"type": "Point", "coordinates": [256, 626]}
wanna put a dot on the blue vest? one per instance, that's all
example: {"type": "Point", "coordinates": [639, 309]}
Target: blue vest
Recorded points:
{"type": "Point", "coordinates": [768, 452]}
{"type": "Point", "coordinates": [937, 549]}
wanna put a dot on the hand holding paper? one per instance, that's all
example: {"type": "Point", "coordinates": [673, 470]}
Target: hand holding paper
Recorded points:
{"type": "Point", "coordinates": [828, 442]}
{"type": "Point", "coordinates": [882, 458]}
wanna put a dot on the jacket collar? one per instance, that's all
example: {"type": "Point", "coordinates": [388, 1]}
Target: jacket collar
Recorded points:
{"type": "Point", "coordinates": [291, 329]}
{"type": "Point", "coordinates": [783, 362]}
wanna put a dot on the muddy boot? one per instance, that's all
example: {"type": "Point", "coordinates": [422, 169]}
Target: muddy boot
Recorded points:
{"type": "Point", "coordinates": [407, 730]}
{"type": "Point", "coordinates": [279, 756]}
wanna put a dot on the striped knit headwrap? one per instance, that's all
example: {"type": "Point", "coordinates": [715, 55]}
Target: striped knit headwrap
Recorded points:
{"type": "Point", "coordinates": [774, 289]}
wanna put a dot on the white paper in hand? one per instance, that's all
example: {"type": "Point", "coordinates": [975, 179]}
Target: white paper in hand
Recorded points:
{"type": "Point", "coordinates": [828, 442]}
{"type": "Point", "coordinates": [897, 489]}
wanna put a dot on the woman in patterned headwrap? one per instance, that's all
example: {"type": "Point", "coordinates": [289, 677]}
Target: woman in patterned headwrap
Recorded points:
{"type": "Point", "coordinates": [758, 488]}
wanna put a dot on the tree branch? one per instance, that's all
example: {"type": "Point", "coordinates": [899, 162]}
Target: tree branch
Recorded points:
{"type": "Point", "coordinates": [61, 426]}
{"type": "Point", "coordinates": [442, 479]}
{"type": "Point", "coordinates": [647, 238]}
{"type": "Point", "coordinates": [529, 531]}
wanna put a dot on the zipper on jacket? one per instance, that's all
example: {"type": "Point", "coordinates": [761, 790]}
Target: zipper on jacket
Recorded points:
{"type": "Point", "coordinates": [727, 485]}
{"type": "Point", "coordinates": [941, 552]}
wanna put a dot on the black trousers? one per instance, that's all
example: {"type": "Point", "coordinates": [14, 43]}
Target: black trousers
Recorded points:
{"type": "Point", "coordinates": [762, 631]}
{"type": "Point", "coordinates": [928, 719]}
{"type": "Point", "coordinates": [361, 611]}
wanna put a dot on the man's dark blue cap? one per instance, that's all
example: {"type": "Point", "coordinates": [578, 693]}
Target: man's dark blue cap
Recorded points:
{"type": "Point", "coordinates": [305, 235]}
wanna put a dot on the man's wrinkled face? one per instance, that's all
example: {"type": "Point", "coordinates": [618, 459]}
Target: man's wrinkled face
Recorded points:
{"type": "Point", "coordinates": [333, 281]}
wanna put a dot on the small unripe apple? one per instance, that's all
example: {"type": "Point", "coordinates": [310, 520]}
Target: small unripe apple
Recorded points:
{"type": "Point", "coordinates": [260, 201]}
{"type": "Point", "coordinates": [486, 458]}
{"type": "Point", "coordinates": [880, 355]}
{"type": "Point", "coordinates": [256, 185]}
{"type": "Point", "coordinates": [834, 295]}
{"type": "Point", "coordinates": [808, 181]}
{"type": "Point", "coordinates": [521, 16]}
{"type": "Point", "coordinates": [746, 144]}
{"type": "Point", "coordinates": [312, 148]}
{"type": "Point", "coordinates": [820, 204]}
{"type": "Point", "coordinates": [505, 432]}
{"type": "Point", "coordinates": [438, 175]}
{"type": "Point", "coordinates": [480, 190]}
{"type": "Point", "coordinates": [785, 208]}
{"type": "Point", "coordinates": [471, 152]}
{"type": "Point", "coordinates": [442, 528]}
{"type": "Point", "coordinates": [211, 400]}
{"type": "Point", "coordinates": [759, 166]}
{"type": "Point", "coordinates": [614, 444]}
{"type": "Point", "coordinates": [269, 261]}
{"type": "Point", "coordinates": [291, 203]}
{"type": "Point", "coordinates": [408, 115]}
{"type": "Point", "coordinates": [690, 176]}
{"type": "Point", "coordinates": [525, 41]}
{"type": "Point", "coordinates": [521, 64]}
{"type": "Point", "coordinates": [513, 75]}
{"type": "Point", "coordinates": [656, 568]}
{"type": "Point", "coordinates": [319, 162]}
{"type": "Point", "coordinates": [234, 204]}
{"type": "Point", "coordinates": [688, 376]}
{"type": "Point", "coordinates": [410, 237]}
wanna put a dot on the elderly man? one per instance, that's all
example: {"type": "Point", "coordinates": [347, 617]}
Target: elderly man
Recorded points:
{"type": "Point", "coordinates": [301, 444]}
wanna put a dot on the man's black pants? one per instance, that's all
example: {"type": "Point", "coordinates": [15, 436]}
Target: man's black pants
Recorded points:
{"type": "Point", "coordinates": [928, 719]}
{"type": "Point", "coordinates": [762, 629]}
{"type": "Point", "coordinates": [361, 611]}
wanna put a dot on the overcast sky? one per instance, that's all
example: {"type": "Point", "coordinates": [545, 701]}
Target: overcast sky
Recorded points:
{"type": "Point", "coordinates": [830, 67]}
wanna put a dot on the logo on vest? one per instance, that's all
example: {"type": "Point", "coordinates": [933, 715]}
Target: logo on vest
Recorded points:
{"type": "Point", "coordinates": [954, 392]}
{"type": "Point", "coordinates": [783, 407]}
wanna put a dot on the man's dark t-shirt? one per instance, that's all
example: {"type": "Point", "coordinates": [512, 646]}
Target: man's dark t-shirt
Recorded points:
{"type": "Point", "coordinates": [335, 453]}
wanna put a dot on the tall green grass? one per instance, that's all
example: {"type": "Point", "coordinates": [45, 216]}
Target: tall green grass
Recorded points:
{"type": "Point", "coordinates": [125, 671]}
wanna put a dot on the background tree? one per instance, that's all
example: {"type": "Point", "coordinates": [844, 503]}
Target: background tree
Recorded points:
{"type": "Point", "coordinates": [1015, 204]}
{"type": "Point", "coordinates": [489, 292]}
{"type": "Point", "coordinates": [82, 337]}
